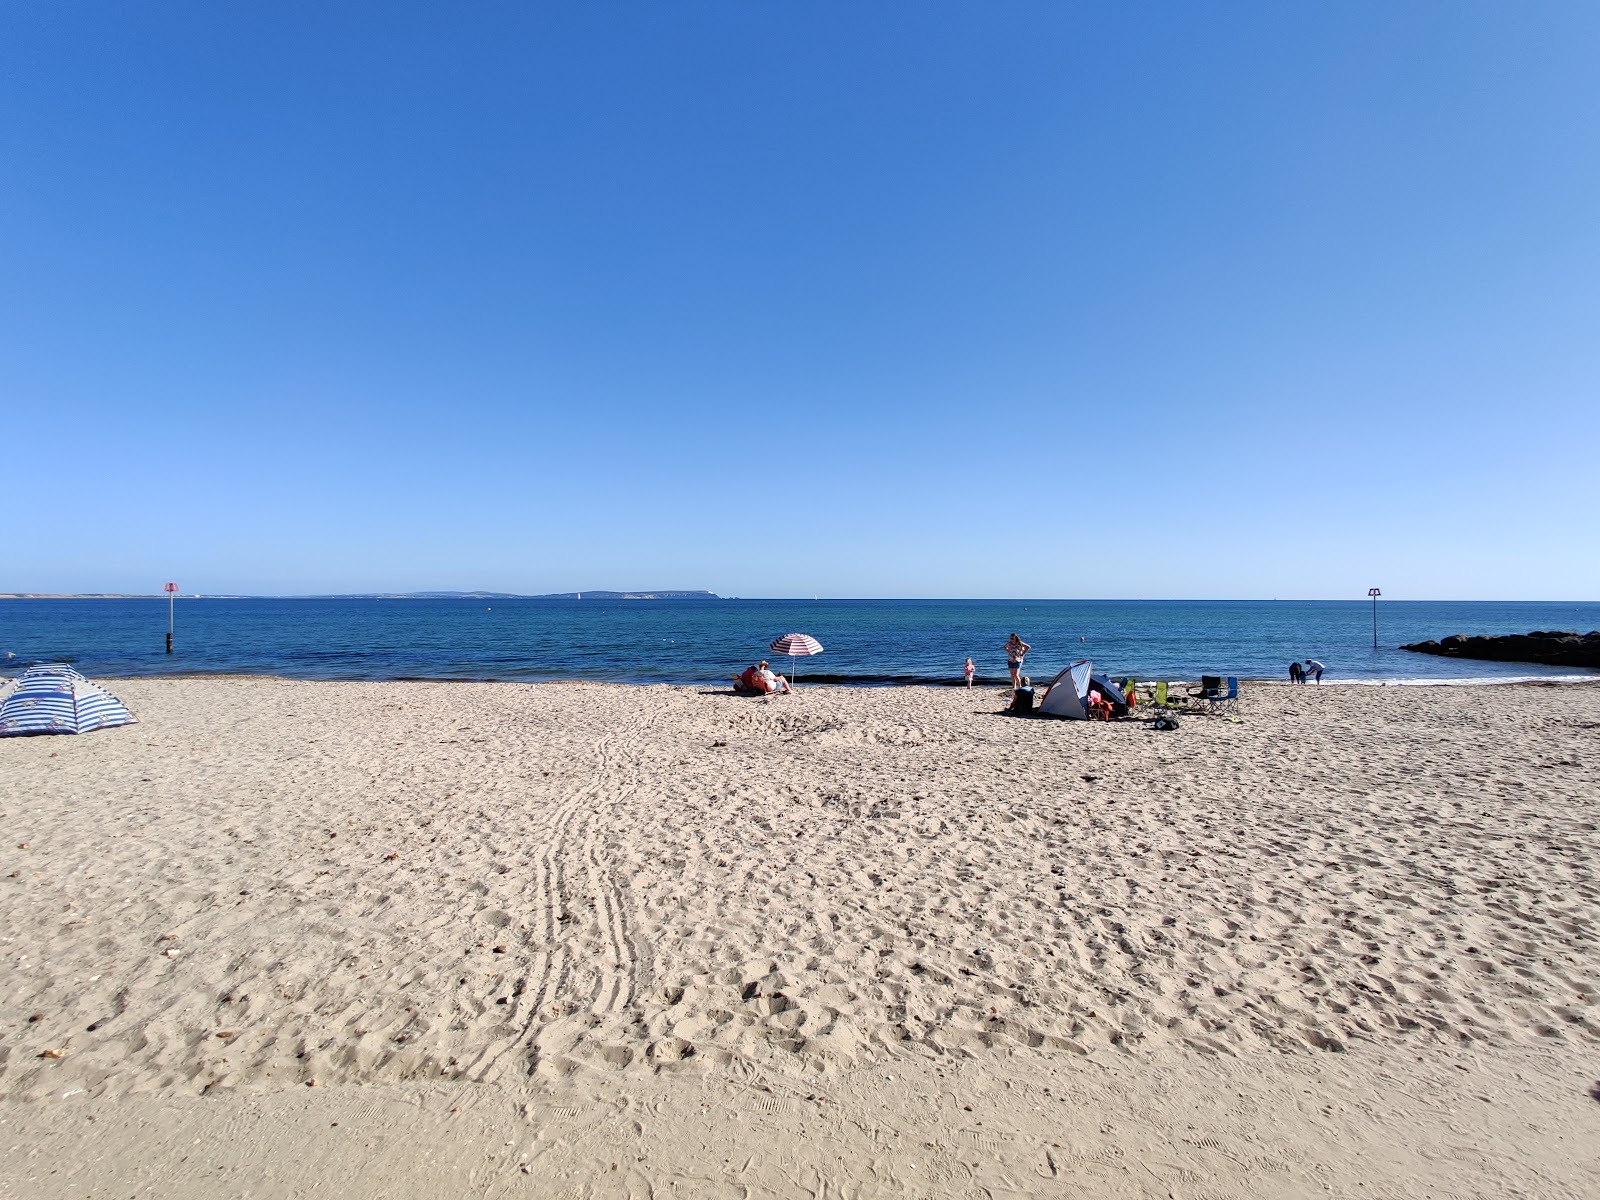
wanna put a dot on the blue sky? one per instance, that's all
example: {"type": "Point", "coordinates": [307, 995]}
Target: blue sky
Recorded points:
{"type": "Point", "coordinates": [778, 299]}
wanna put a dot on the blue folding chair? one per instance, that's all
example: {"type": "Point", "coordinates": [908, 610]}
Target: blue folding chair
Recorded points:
{"type": "Point", "coordinates": [1228, 701]}
{"type": "Point", "coordinates": [1217, 695]}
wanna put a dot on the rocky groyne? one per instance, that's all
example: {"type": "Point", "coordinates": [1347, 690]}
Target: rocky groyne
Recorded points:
{"type": "Point", "coordinates": [1550, 647]}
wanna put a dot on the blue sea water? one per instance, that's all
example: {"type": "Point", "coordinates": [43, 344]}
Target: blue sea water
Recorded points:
{"type": "Point", "coordinates": [703, 641]}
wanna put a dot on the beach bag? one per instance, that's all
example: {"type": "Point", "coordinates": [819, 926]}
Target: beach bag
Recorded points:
{"type": "Point", "coordinates": [1164, 721]}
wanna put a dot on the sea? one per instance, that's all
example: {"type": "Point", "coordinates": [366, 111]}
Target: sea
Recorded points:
{"type": "Point", "coordinates": [865, 642]}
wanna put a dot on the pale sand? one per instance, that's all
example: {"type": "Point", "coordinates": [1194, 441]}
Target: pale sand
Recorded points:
{"type": "Point", "coordinates": [583, 940]}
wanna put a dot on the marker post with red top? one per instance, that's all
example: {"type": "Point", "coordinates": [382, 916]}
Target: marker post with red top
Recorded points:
{"type": "Point", "coordinates": [172, 593]}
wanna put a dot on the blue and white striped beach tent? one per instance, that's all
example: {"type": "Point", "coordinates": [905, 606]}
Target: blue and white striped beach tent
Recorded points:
{"type": "Point", "coordinates": [53, 698]}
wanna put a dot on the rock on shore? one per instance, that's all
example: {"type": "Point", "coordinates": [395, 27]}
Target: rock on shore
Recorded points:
{"type": "Point", "coordinates": [1551, 647]}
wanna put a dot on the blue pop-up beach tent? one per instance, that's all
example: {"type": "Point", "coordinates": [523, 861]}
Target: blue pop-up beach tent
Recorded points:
{"type": "Point", "coordinates": [54, 698]}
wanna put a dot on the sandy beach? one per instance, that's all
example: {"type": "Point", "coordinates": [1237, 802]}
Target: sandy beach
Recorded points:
{"type": "Point", "coordinates": [424, 939]}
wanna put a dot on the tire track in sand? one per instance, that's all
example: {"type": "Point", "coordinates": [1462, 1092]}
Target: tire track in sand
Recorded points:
{"type": "Point", "coordinates": [551, 962]}
{"type": "Point", "coordinates": [572, 845]}
{"type": "Point", "coordinates": [616, 989]}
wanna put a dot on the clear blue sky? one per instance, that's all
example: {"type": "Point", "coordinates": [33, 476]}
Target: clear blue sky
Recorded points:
{"type": "Point", "coordinates": [1002, 299]}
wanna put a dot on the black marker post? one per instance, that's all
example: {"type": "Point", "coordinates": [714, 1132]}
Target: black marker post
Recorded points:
{"type": "Point", "coordinates": [172, 593]}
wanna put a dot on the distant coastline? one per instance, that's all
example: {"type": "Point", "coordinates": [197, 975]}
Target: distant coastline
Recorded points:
{"type": "Point", "coordinates": [660, 594]}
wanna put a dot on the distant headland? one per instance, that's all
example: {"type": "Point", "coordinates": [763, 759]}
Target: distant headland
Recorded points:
{"type": "Point", "coordinates": [659, 594]}
{"type": "Point", "coordinates": [662, 594]}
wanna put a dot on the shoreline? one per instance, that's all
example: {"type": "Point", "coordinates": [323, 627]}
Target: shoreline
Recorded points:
{"type": "Point", "coordinates": [1578, 679]}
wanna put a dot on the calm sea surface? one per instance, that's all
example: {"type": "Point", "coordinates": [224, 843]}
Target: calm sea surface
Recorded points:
{"type": "Point", "coordinates": [702, 641]}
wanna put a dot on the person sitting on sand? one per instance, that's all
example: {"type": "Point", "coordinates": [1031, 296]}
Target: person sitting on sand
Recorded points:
{"type": "Point", "coordinates": [768, 682]}
{"type": "Point", "coordinates": [759, 679]}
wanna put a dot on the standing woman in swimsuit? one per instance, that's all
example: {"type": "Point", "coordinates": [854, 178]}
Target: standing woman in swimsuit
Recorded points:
{"type": "Point", "coordinates": [1016, 651]}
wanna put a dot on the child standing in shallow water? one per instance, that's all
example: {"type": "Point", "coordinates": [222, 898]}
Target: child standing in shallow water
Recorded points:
{"type": "Point", "coordinates": [969, 671]}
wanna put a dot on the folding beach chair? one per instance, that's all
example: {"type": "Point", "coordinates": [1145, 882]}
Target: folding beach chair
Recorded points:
{"type": "Point", "coordinates": [1215, 697]}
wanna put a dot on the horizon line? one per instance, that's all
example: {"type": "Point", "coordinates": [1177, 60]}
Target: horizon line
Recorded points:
{"type": "Point", "coordinates": [699, 595]}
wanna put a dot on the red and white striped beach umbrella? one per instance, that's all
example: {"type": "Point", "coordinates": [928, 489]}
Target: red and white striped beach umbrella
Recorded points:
{"type": "Point", "coordinates": [795, 645]}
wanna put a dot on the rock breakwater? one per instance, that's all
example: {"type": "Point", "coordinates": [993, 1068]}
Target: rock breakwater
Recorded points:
{"type": "Point", "coordinates": [1551, 647]}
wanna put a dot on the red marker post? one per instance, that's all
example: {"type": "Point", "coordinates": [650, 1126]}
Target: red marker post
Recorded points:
{"type": "Point", "coordinates": [172, 592]}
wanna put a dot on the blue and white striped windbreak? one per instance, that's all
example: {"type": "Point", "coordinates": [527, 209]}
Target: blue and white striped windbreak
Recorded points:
{"type": "Point", "coordinates": [53, 698]}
